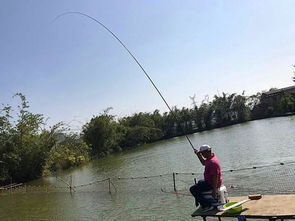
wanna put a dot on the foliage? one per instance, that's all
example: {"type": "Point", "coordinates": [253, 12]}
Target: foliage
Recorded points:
{"type": "Point", "coordinates": [140, 119]}
{"type": "Point", "coordinates": [102, 135]}
{"type": "Point", "coordinates": [70, 151]}
{"type": "Point", "coordinates": [25, 145]}
{"type": "Point", "coordinates": [28, 150]}
{"type": "Point", "coordinates": [139, 135]}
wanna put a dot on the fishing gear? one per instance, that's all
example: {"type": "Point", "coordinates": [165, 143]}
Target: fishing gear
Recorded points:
{"type": "Point", "coordinates": [134, 58]}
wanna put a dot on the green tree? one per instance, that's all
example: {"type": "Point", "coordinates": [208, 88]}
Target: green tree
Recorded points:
{"type": "Point", "coordinates": [138, 119]}
{"type": "Point", "coordinates": [170, 123]}
{"type": "Point", "coordinates": [286, 103]}
{"type": "Point", "coordinates": [138, 135]}
{"type": "Point", "coordinates": [141, 128]}
{"type": "Point", "coordinates": [101, 135]}
{"type": "Point", "coordinates": [239, 106]}
{"type": "Point", "coordinates": [158, 119]}
{"type": "Point", "coordinates": [253, 100]}
{"type": "Point", "coordinates": [23, 146]}
{"type": "Point", "coordinates": [68, 152]}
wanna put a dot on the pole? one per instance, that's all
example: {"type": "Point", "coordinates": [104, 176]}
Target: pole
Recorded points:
{"type": "Point", "coordinates": [134, 58]}
{"type": "Point", "coordinates": [174, 185]}
{"type": "Point", "coordinates": [109, 179]}
{"type": "Point", "coordinates": [10, 185]}
{"type": "Point", "coordinates": [71, 183]}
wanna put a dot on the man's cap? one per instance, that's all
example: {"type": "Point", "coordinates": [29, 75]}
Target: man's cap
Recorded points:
{"type": "Point", "coordinates": [204, 148]}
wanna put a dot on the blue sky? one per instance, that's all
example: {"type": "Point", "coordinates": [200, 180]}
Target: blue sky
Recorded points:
{"type": "Point", "coordinates": [72, 69]}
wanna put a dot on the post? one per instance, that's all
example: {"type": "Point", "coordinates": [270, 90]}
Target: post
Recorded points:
{"type": "Point", "coordinates": [174, 185]}
{"type": "Point", "coordinates": [109, 179]}
{"type": "Point", "coordinates": [71, 182]}
{"type": "Point", "coordinates": [10, 185]}
{"type": "Point", "coordinates": [195, 180]}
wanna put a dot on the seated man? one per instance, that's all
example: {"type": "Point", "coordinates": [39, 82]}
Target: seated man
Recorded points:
{"type": "Point", "coordinates": [212, 178]}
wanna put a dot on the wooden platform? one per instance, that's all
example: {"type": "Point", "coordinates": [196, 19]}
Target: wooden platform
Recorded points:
{"type": "Point", "coordinates": [268, 207]}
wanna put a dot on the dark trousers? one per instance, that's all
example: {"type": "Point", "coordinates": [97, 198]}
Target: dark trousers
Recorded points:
{"type": "Point", "coordinates": [197, 189]}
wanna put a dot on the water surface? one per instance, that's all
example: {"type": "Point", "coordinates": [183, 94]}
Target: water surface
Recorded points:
{"type": "Point", "coordinates": [262, 142]}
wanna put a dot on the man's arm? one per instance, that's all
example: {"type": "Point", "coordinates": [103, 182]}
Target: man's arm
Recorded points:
{"type": "Point", "coordinates": [200, 157]}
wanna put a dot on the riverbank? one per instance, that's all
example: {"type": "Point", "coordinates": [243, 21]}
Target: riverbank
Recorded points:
{"type": "Point", "coordinates": [232, 124]}
{"type": "Point", "coordinates": [29, 151]}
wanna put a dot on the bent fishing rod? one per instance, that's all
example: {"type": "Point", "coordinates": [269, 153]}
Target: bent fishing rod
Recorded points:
{"type": "Point", "coordinates": [134, 58]}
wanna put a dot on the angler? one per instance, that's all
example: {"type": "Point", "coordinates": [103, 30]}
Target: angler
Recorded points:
{"type": "Point", "coordinates": [212, 179]}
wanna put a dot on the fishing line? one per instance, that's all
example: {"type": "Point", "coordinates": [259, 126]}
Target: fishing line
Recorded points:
{"type": "Point", "coordinates": [134, 58]}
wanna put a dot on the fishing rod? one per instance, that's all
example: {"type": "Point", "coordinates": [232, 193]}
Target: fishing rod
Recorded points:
{"type": "Point", "coordinates": [134, 58]}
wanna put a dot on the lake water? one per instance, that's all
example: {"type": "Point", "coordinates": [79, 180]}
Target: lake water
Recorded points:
{"type": "Point", "coordinates": [135, 195]}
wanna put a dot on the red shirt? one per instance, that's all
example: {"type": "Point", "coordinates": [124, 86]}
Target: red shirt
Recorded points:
{"type": "Point", "coordinates": [212, 167]}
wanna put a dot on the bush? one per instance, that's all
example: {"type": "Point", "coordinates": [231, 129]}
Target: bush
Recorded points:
{"type": "Point", "coordinates": [70, 152]}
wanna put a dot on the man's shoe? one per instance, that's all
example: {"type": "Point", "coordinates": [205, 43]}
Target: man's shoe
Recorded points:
{"type": "Point", "coordinates": [206, 209]}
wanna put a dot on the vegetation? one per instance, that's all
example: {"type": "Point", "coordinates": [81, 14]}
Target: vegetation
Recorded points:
{"type": "Point", "coordinates": [106, 135]}
{"type": "Point", "coordinates": [68, 152]}
{"type": "Point", "coordinates": [28, 150]}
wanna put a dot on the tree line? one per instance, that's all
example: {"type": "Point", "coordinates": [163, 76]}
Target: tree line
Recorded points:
{"type": "Point", "coordinates": [29, 150]}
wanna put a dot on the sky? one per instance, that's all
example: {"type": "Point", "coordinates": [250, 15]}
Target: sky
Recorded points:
{"type": "Point", "coordinates": [72, 69]}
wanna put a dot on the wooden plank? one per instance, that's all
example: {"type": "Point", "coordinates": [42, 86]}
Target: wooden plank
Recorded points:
{"type": "Point", "coordinates": [267, 206]}
{"type": "Point", "coordinates": [10, 186]}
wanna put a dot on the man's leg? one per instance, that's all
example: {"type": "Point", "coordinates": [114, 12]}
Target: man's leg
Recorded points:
{"type": "Point", "coordinates": [203, 187]}
{"type": "Point", "coordinates": [197, 190]}
{"type": "Point", "coordinates": [194, 190]}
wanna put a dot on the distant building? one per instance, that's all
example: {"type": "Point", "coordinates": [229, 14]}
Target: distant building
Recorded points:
{"type": "Point", "coordinates": [276, 95]}
{"type": "Point", "coordinates": [280, 91]}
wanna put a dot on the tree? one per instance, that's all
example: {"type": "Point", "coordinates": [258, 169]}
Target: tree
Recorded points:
{"type": "Point", "coordinates": [158, 119]}
{"type": "Point", "coordinates": [223, 109]}
{"type": "Point", "coordinates": [24, 143]}
{"type": "Point", "coordinates": [70, 151]}
{"type": "Point", "coordinates": [138, 135]}
{"type": "Point", "coordinates": [240, 108]}
{"type": "Point", "coordinates": [253, 101]}
{"type": "Point", "coordinates": [101, 135]}
{"type": "Point", "coordinates": [138, 119]}
{"type": "Point", "coordinates": [141, 128]}
{"type": "Point", "coordinates": [169, 125]}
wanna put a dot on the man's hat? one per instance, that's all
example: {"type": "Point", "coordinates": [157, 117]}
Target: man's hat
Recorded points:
{"type": "Point", "coordinates": [204, 148]}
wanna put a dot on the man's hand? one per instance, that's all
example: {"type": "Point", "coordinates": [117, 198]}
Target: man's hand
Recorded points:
{"type": "Point", "coordinates": [198, 153]}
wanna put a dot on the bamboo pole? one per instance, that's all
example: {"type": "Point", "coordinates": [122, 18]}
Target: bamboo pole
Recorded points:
{"type": "Point", "coordinates": [109, 179]}
{"type": "Point", "coordinates": [174, 185]}
{"type": "Point", "coordinates": [71, 183]}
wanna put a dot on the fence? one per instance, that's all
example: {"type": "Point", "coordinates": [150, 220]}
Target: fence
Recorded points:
{"type": "Point", "coordinates": [267, 179]}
